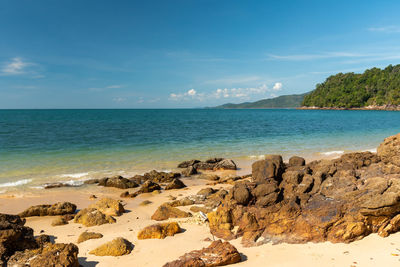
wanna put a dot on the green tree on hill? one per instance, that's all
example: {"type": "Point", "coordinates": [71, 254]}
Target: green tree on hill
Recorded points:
{"type": "Point", "coordinates": [351, 90]}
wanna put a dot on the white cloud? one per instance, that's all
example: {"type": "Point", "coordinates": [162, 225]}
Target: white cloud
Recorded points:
{"type": "Point", "coordinates": [242, 93]}
{"type": "Point", "coordinates": [15, 67]}
{"type": "Point", "coordinates": [191, 92]}
{"type": "Point", "coordinates": [277, 86]}
{"type": "Point", "coordinates": [385, 29]}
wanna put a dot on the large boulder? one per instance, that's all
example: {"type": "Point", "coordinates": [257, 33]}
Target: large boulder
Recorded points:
{"type": "Point", "coordinates": [87, 236]}
{"type": "Point", "coordinates": [59, 208]}
{"type": "Point", "coordinates": [217, 254]}
{"type": "Point", "coordinates": [226, 164]}
{"type": "Point", "coordinates": [175, 184]}
{"type": "Point", "coordinates": [270, 168]}
{"type": "Point", "coordinates": [92, 217]}
{"type": "Point", "coordinates": [297, 161]}
{"type": "Point", "coordinates": [159, 230]}
{"type": "Point", "coordinates": [189, 171]}
{"type": "Point", "coordinates": [389, 150]}
{"type": "Point", "coordinates": [109, 206]}
{"type": "Point", "coordinates": [188, 163]}
{"type": "Point", "coordinates": [116, 247]}
{"type": "Point", "coordinates": [65, 255]}
{"type": "Point", "coordinates": [118, 182]}
{"type": "Point", "coordinates": [14, 236]}
{"type": "Point", "coordinates": [165, 211]}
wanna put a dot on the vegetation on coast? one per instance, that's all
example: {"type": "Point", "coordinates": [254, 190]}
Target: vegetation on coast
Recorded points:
{"type": "Point", "coordinates": [374, 87]}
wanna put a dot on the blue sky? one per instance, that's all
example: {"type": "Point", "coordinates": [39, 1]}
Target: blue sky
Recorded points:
{"type": "Point", "coordinates": [167, 54]}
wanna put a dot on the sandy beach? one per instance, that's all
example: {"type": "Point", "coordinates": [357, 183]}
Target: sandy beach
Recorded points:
{"type": "Point", "coordinates": [370, 251]}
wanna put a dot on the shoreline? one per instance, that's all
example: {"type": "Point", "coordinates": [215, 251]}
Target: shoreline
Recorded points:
{"type": "Point", "coordinates": [372, 107]}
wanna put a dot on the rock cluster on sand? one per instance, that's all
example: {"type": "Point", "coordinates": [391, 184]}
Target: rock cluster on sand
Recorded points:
{"type": "Point", "coordinates": [20, 248]}
{"type": "Point", "coordinates": [217, 254]}
{"type": "Point", "coordinates": [92, 217]}
{"type": "Point", "coordinates": [116, 247]}
{"type": "Point", "coordinates": [65, 255]}
{"type": "Point", "coordinates": [338, 200]}
{"type": "Point", "coordinates": [159, 230]}
{"type": "Point", "coordinates": [175, 184]}
{"type": "Point", "coordinates": [59, 208]}
{"type": "Point", "coordinates": [88, 235]}
{"type": "Point", "coordinates": [100, 212]}
{"type": "Point", "coordinates": [191, 166]}
{"type": "Point", "coordinates": [109, 206]}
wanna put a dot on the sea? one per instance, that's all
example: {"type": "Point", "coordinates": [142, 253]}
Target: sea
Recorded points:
{"type": "Point", "coordinates": [70, 146]}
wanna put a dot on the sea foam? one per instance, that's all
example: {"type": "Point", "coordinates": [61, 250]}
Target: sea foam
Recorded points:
{"type": "Point", "coordinates": [16, 183]}
{"type": "Point", "coordinates": [75, 175]}
{"type": "Point", "coordinates": [334, 152]}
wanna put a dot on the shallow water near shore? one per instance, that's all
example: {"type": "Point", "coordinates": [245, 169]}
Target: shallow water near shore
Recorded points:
{"type": "Point", "coordinates": [38, 146]}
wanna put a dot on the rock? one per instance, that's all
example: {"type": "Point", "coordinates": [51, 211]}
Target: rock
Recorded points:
{"type": "Point", "coordinates": [217, 254]}
{"type": "Point", "coordinates": [42, 240]}
{"type": "Point", "coordinates": [92, 197]}
{"type": "Point", "coordinates": [91, 181]}
{"type": "Point", "coordinates": [181, 202]}
{"type": "Point", "coordinates": [206, 191]}
{"type": "Point", "coordinates": [58, 185]}
{"type": "Point", "coordinates": [211, 177]}
{"type": "Point", "coordinates": [109, 206]}
{"type": "Point", "coordinates": [389, 150]}
{"type": "Point", "coordinates": [88, 235]}
{"type": "Point", "coordinates": [175, 184]}
{"type": "Point", "coordinates": [49, 255]}
{"type": "Point", "coordinates": [161, 177]}
{"type": "Point", "coordinates": [159, 230]}
{"type": "Point", "coordinates": [205, 210]}
{"type": "Point", "coordinates": [297, 161]}
{"type": "Point", "coordinates": [204, 166]}
{"type": "Point", "coordinates": [189, 171]}
{"type": "Point", "coordinates": [59, 221]}
{"type": "Point", "coordinates": [118, 182]}
{"type": "Point", "coordinates": [145, 203]}
{"type": "Point", "coordinates": [59, 208]}
{"type": "Point", "coordinates": [226, 164]}
{"type": "Point", "coordinates": [147, 187]}
{"type": "Point", "coordinates": [241, 194]}
{"type": "Point", "coordinates": [271, 168]}
{"type": "Point", "coordinates": [116, 247]}
{"type": "Point", "coordinates": [91, 217]}
{"type": "Point", "coordinates": [188, 163]}
{"type": "Point", "coordinates": [165, 212]}
{"type": "Point", "coordinates": [14, 236]}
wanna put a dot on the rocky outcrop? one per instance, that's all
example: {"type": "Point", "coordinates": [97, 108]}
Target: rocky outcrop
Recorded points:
{"type": "Point", "coordinates": [175, 184]}
{"type": "Point", "coordinates": [91, 217]}
{"type": "Point", "coordinates": [87, 236]}
{"type": "Point", "coordinates": [209, 164]}
{"type": "Point", "coordinates": [189, 171]}
{"type": "Point", "coordinates": [116, 247]}
{"type": "Point", "coordinates": [159, 230]}
{"type": "Point", "coordinates": [49, 255]}
{"type": "Point", "coordinates": [118, 182]}
{"type": "Point", "coordinates": [156, 177]}
{"type": "Point", "coordinates": [338, 200]}
{"type": "Point", "coordinates": [59, 208]}
{"type": "Point", "coordinates": [14, 236]}
{"type": "Point", "coordinates": [147, 187]}
{"type": "Point", "coordinates": [109, 206]}
{"type": "Point", "coordinates": [217, 254]}
{"type": "Point", "coordinates": [165, 211]}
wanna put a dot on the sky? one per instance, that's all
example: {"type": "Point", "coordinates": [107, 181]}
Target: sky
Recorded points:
{"type": "Point", "coordinates": [187, 53]}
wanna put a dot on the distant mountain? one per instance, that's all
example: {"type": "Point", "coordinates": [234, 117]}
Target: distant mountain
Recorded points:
{"type": "Point", "coordinates": [374, 87]}
{"type": "Point", "coordinates": [284, 101]}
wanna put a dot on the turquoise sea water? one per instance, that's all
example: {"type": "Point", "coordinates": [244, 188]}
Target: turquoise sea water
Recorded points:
{"type": "Point", "coordinates": [39, 146]}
